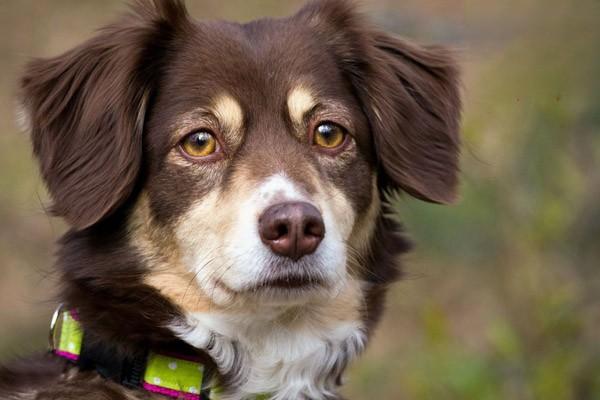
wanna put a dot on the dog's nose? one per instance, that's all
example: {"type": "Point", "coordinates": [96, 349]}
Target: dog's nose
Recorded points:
{"type": "Point", "coordinates": [292, 229]}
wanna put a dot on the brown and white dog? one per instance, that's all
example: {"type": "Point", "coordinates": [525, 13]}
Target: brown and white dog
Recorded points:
{"type": "Point", "coordinates": [224, 182]}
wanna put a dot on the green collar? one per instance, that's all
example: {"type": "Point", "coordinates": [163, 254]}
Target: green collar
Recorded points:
{"type": "Point", "coordinates": [169, 375]}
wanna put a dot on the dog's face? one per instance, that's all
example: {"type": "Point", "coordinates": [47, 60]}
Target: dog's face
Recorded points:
{"type": "Point", "coordinates": [260, 166]}
{"type": "Point", "coordinates": [248, 160]}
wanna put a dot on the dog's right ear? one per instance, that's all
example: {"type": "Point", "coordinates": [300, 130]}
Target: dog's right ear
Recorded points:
{"type": "Point", "coordinates": [85, 110]}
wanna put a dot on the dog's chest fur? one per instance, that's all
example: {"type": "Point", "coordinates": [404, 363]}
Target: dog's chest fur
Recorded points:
{"type": "Point", "coordinates": [292, 354]}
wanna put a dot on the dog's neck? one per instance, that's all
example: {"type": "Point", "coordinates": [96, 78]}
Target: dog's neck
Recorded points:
{"type": "Point", "coordinates": [291, 352]}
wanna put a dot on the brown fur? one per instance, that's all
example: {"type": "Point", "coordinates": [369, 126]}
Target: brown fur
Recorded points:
{"type": "Point", "coordinates": [105, 118]}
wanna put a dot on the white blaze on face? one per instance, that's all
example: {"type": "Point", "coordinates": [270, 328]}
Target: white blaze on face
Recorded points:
{"type": "Point", "coordinates": [220, 242]}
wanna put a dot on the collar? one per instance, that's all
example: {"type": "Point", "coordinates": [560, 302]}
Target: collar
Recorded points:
{"type": "Point", "coordinates": [172, 375]}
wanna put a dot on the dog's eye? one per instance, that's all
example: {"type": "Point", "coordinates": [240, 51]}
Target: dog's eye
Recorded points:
{"type": "Point", "coordinates": [199, 144]}
{"type": "Point", "coordinates": [329, 135]}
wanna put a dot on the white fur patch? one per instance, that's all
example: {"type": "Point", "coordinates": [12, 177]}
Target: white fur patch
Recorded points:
{"type": "Point", "coordinates": [289, 357]}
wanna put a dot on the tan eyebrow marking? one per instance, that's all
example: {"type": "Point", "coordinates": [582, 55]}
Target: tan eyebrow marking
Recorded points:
{"type": "Point", "coordinates": [299, 102]}
{"type": "Point", "coordinates": [229, 112]}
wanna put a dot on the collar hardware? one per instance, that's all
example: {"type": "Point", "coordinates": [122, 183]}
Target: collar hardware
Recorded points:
{"type": "Point", "coordinates": [51, 335]}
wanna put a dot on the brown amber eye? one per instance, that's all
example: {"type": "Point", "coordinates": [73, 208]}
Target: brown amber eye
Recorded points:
{"type": "Point", "coordinates": [199, 144]}
{"type": "Point", "coordinates": [329, 135]}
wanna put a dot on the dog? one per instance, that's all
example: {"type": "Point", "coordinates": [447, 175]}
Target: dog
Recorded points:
{"type": "Point", "coordinates": [225, 188]}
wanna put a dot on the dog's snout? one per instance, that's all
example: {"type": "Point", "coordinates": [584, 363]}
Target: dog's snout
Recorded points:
{"type": "Point", "coordinates": [292, 229]}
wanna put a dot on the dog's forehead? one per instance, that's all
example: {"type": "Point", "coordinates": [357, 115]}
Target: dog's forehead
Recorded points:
{"type": "Point", "coordinates": [259, 63]}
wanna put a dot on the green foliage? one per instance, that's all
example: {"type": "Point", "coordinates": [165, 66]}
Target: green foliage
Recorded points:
{"type": "Point", "coordinates": [523, 236]}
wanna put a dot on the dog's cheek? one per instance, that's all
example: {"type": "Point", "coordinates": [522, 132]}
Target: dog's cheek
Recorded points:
{"type": "Point", "coordinates": [353, 197]}
{"type": "Point", "coordinates": [200, 235]}
{"type": "Point", "coordinates": [161, 256]}
{"type": "Point", "coordinates": [364, 227]}
{"type": "Point", "coordinates": [347, 182]}
{"type": "Point", "coordinates": [338, 212]}
{"type": "Point", "coordinates": [176, 185]}
{"type": "Point", "coordinates": [173, 228]}
{"type": "Point", "coordinates": [353, 176]}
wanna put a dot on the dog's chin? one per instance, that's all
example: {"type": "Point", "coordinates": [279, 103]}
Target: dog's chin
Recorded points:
{"type": "Point", "coordinates": [283, 283]}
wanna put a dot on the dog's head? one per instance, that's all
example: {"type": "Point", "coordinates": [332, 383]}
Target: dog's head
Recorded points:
{"type": "Point", "coordinates": [250, 159]}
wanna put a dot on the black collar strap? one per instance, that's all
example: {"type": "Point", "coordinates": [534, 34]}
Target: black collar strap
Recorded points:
{"type": "Point", "coordinates": [173, 375]}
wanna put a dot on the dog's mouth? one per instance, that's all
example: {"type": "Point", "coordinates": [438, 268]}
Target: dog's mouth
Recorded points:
{"type": "Point", "coordinates": [284, 283]}
{"type": "Point", "coordinates": [289, 282]}
{"type": "Point", "coordinates": [278, 281]}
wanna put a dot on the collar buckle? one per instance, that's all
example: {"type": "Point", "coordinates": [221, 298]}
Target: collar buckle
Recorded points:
{"type": "Point", "coordinates": [53, 323]}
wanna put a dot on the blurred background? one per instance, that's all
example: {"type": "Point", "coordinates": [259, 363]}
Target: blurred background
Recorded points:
{"type": "Point", "coordinates": [502, 295]}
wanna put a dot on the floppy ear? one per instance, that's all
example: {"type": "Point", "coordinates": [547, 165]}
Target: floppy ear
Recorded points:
{"type": "Point", "coordinates": [413, 102]}
{"type": "Point", "coordinates": [410, 95]}
{"type": "Point", "coordinates": [85, 110]}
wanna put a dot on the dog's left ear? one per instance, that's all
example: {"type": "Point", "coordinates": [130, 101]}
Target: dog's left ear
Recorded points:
{"type": "Point", "coordinates": [412, 99]}
{"type": "Point", "coordinates": [85, 110]}
{"type": "Point", "coordinates": [410, 94]}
